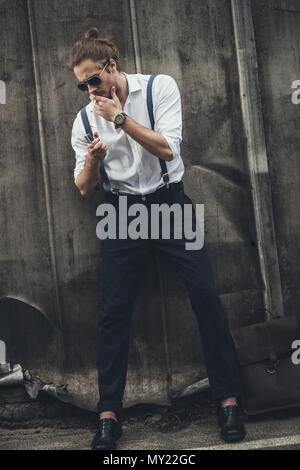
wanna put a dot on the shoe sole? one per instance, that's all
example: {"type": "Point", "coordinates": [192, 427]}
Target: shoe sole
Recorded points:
{"type": "Point", "coordinates": [236, 438]}
{"type": "Point", "coordinates": [106, 448]}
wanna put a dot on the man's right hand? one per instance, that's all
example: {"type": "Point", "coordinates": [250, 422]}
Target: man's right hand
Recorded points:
{"type": "Point", "coordinates": [97, 149]}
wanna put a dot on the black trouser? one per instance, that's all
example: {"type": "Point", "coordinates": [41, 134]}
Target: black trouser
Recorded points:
{"type": "Point", "coordinates": [122, 262]}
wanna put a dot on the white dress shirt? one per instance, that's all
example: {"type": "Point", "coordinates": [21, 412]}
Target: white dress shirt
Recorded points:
{"type": "Point", "coordinates": [130, 167]}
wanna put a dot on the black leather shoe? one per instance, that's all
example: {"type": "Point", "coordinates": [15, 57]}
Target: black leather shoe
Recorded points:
{"type": "Point", "coordinates": [109, 431]}
{"type": "Point", "coordinates": [229, 420]}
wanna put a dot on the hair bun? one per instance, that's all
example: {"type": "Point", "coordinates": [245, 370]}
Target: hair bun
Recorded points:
{"type": "Point", "coordinates": [92, 33]}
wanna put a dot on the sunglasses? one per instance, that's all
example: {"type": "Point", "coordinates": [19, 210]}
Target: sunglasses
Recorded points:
{"type": "Point", "coordinates": [94, 80]}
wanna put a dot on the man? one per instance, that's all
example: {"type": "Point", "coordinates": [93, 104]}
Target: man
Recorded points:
{"type": "Point", "coordinates": [144, 164]}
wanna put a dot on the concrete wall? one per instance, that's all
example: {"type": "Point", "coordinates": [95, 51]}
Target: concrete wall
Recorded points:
{"type": "Point", "coordinates": [50, 279]}
{"type": "Point", "coordinates": [277, 34]}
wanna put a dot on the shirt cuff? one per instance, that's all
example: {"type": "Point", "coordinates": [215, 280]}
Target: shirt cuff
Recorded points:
{"type": "Point", "coordinates": [173, 144]}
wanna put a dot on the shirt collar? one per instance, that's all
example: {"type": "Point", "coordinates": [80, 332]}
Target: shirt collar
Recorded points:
{"type": "Point", "coordinates": [133, 83]}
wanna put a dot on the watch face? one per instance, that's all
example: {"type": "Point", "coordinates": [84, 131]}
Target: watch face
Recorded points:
{"type": "Point", "coordinates": [119, 119]}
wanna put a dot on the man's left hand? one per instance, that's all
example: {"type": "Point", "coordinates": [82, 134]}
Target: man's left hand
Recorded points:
{"type": "Point", "coordinates": [106, 108]}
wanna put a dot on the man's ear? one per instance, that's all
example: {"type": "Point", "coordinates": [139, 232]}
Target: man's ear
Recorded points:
{"type": "Point", "coordinates": [113, 64]}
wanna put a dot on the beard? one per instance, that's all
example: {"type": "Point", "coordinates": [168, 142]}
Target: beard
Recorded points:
{"type": "Point", "coordinates": [105, 94]}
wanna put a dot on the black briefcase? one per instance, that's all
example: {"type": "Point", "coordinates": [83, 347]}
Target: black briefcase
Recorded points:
{"type": "Point", "coordinates": [268, 357]}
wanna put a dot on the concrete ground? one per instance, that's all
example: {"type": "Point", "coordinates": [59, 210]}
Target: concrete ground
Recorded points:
{"type": "Point", "coordinates": [270, 434]}
{"type": "Point", "coordinates": [188, 424]}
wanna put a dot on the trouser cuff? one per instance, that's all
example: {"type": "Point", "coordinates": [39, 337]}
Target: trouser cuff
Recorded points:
{"type": "Point", "coordinates": [109, 406]}
{"type": "Point", "coordinates": [223, 395]}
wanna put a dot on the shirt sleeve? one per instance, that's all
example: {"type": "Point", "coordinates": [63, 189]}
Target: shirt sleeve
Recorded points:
{"type": "Point", "coordinates": [79, 145]}
{"type": "Point", "coordinates": [167, 111]}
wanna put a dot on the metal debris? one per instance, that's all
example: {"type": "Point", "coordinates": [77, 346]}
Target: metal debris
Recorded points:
{"type": "Point", "coordinates": [34, 386]}
{"type": "Point", "coordinates": [199, 386]}
{"type": "Point", "coordinates": [13, 377]}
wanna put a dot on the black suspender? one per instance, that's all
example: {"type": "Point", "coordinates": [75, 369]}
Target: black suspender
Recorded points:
{"type": "Point", "coordinates": [162, 162]}
{"type": "Point", "coordinates": [89, 138]}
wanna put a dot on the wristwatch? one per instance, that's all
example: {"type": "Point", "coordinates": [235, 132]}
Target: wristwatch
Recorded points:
{"type": "Point", "coordinates": [119, 120]}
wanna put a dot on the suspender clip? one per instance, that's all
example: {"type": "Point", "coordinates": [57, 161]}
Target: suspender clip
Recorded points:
{"type": "Point", "coordinates": [88, 138]}
{"type": "Point", "coordinates": [166, 179]}
{"type": "Point", "coordinates": [115, 191]}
